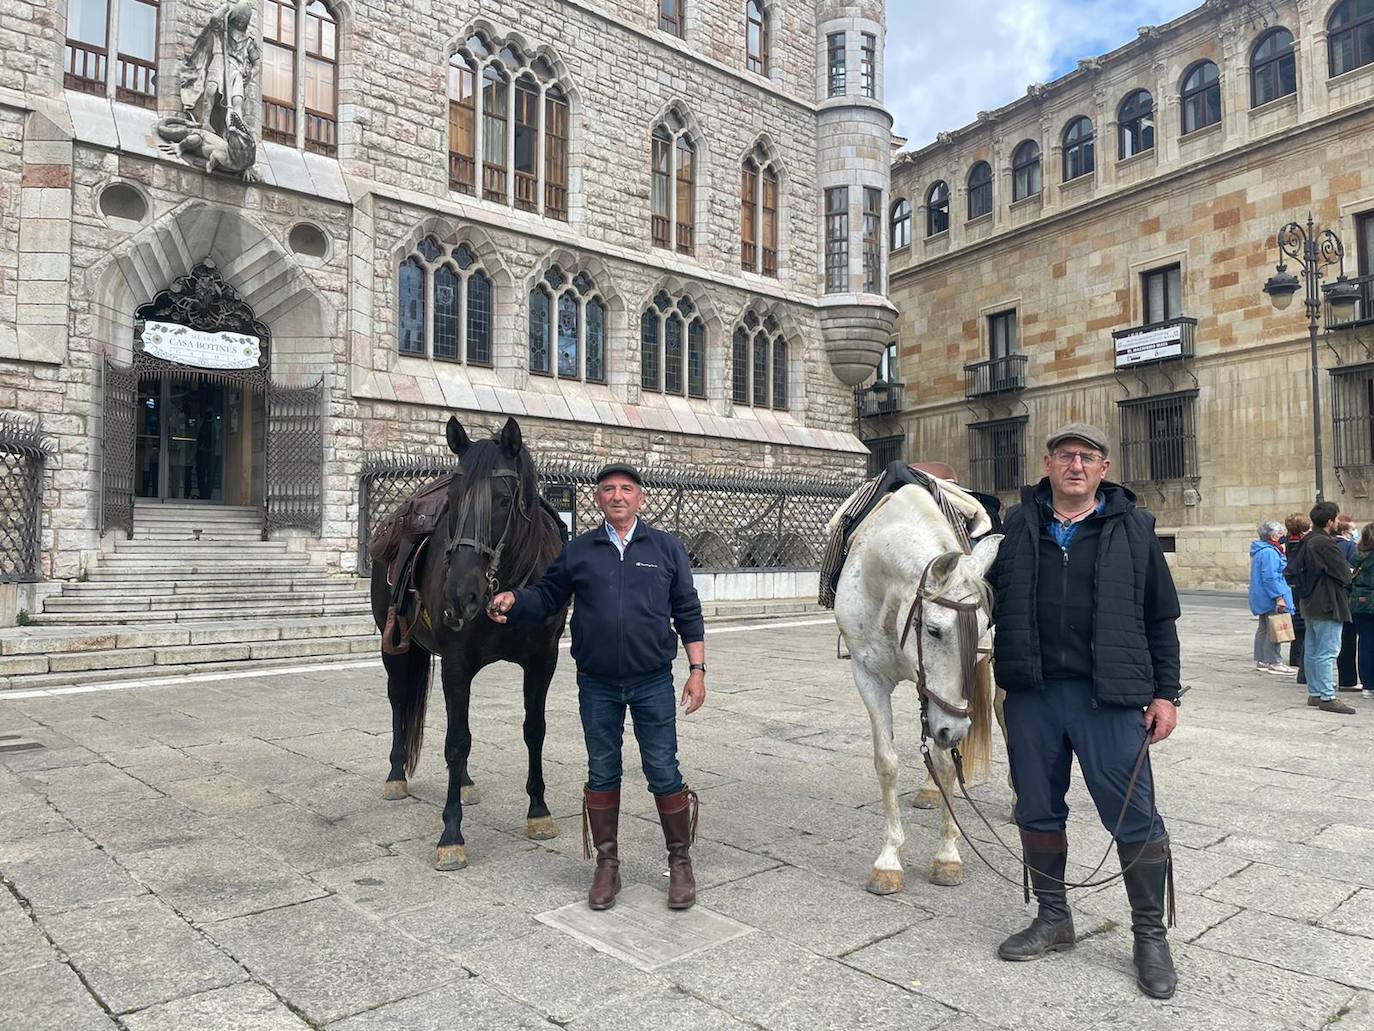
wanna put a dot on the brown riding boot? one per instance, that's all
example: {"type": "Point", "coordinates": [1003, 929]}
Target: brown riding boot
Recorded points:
{"type": "Point", "coordinates": [600, 823]}
{"type": "Point", "coordinates": [678, 814]}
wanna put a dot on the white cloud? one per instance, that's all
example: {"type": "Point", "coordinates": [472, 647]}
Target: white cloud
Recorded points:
{"type": "Point", "coordinates": [947, 61]}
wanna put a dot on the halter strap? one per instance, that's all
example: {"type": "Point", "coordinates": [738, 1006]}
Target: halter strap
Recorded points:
{"type": "Point", "coordinates": [968, 627]}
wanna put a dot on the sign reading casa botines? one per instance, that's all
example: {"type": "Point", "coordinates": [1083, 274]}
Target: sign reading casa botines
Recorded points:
{"type": "Point", "coordinates": [197, 348]}
{"type": "Point", "coordinates": [1149, 345]}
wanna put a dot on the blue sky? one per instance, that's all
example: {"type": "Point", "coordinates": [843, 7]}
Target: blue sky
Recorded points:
{"type": "Point", "coordinates": [946, 61]}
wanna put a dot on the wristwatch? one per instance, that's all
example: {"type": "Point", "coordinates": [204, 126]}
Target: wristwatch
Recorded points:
{"type": "Point", "coordinates": [697, 665]}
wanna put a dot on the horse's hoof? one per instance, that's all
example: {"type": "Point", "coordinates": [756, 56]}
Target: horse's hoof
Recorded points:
{"type": "Point", "coordinates": [450, 857]}
{"type": "Point", "coordinates": [926, 798]}
{"type": "Point", "coordinates": [471, 794]}
{"type": "Point", "coordinates": [884, 882]}
{"type": "Point", "coordinates": [395, 789]}
{"type": "Point", "coordinates": [540, 828]}
{"type": "Point", "coordinates": [947, 875]}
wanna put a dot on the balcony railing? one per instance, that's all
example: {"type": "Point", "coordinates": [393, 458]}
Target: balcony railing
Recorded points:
{"type": "Point", "coordinates": [1155, 342]}
{"type": "Point", "coordinates": [278, 122]}
{"type": "Point", "coordinates": [321, 132]}
{"type": "Point", "coordinates": [85, 69]}
{"type": "Point", "coordinates": [880, 398]}
{"type": "Point", "coordinates": [770, 262]}
{"type": "Point", "coordinates": [556, 201]}
{"type": "Point", "coordinates": [493, 183]}
{"type": "Point", "coordinates": [460, 172]}
{"type": "Point", "coordinates": [526, 191]}
{"type": "Point", "coordinates": [1364, 307]}
{"type": "Point", "coordinates": [995, 376]}
{"type": "Point", "coordinates": [136, 82]}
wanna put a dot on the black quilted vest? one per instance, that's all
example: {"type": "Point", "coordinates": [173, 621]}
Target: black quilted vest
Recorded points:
{"type": "Point", "coordinates": [1122, 671]}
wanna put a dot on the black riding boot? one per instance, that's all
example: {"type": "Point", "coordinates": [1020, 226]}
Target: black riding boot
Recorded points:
{"type": "Point", "coordinates": [1052, 928]}
{"type": "Point", "coordinates": [1147, 871]}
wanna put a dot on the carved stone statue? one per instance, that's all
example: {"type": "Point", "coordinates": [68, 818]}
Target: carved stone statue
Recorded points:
{"type": "Point", "coordinates": [211, 129]}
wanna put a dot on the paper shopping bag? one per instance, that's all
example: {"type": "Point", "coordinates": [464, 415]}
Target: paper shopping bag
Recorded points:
{"type": "Point", "coordinates": [1281, 628]}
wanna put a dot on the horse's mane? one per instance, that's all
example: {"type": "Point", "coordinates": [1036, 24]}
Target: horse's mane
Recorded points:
{"type": "Point", "coordinates": [535, 538]}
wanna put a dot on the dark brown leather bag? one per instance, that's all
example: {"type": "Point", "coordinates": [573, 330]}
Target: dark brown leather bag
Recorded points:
{"type": "Point", "coordinates": [417, 517]}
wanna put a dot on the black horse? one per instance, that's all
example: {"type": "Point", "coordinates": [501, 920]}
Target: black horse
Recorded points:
{"type": "Point", "coordinates": [493, 534]}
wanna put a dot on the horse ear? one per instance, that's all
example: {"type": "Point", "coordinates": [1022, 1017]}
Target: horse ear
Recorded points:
{"type": "Point", "coordinates": [941, 569]}
{"type": "Point", "coordinates": [458, 440]}
{"type": "Point", "coordinates": [985, 553]}
{"type": "Point", "coordinates": [510, 438]}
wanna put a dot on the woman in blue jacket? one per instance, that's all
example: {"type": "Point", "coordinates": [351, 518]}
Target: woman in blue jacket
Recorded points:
{"type": "Point", "coordinates": [1269, 593]}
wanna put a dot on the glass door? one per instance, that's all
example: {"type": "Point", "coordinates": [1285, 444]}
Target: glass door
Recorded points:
{"type": "Point", "coordinates": [180, 439]}
{"type": "Point", "coordinates": [148, 438]}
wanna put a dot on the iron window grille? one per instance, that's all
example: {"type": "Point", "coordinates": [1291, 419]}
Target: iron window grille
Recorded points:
{"type": "Point", "coordinates": [1352, 416]}
{"type": "Point", "coordinates": [883, 451]}
{"type": "Point", "coordinates": [24, 451]}
{"type": "Point", "coordinates": [1159, 438]}
{"type": "Point", "coordinates": [997, 455]}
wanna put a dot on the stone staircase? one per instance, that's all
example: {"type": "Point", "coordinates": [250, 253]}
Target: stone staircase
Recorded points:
{"type": "Point", "coordinates": [195, 588]}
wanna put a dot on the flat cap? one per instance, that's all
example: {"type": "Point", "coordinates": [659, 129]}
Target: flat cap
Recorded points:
{"type": "Point", "coordinates": [1084, 431]}
{"type": "Point", "coordinates": [619, 469]}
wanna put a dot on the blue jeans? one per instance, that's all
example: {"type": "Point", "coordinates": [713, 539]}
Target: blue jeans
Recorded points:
{"type": "Point", "coordinates": [652, 706]}
{"type": "Point", "coordinates": [1046, 729]}
{"type": "Point", "coordinates": [1319, 653]}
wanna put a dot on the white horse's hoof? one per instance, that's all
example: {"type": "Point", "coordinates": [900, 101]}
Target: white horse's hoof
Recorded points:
{"type": "Point", "coordinates": [884, 882]}
{"type": "Point", "coordinates": [947, 875]}
{"type": "Point", "coordinates": [926, 798]}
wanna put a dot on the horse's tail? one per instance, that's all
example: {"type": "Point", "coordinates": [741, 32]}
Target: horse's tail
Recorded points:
{"type": "Point", "coordinates": [419, 667]}
{"type": "Point", "coordinates": [977, 745]}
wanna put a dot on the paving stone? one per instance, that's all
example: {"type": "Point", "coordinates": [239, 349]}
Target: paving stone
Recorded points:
{"type": "Point", "coordinates": [391, 885]}
{"type": "Point", "coordinates": [257, 762]}
{"type": "Point", "coordinates": [330, 962]}
{"type": "Point", "coordinates": [304, 840]}
{"type": "Point", "coordinates": [1281, 892]}
{"type": "Point", "coordinates": [219, 794]}
{"type": "Point", "coordinates": [74, 788]}
{"type": "Point", "coordinates": [468, 1004]}
{"type": "Point", "coordinates": [22, 944]}
{"type": "Point", "coordinates": [137, 952]}
{"type": "Point", "coordinates": [50, 997]}
{"type": "Point", "coordinates": [775, 984]}
{"type": "Point", "coordinates": [1295, 946]}
{"type": "Point", "coordinates": [238, 1007]}
{"type": "Point", "coordinates": [663, 1009]}
{"type": "Point", "coordinates": [142, 826]}
{"type": "Point", "coordinates": [63, 870]}
{"type": "Point", "coordinates": [218, 876]}
{"type": "Point", "coordinates": [1353, 916]}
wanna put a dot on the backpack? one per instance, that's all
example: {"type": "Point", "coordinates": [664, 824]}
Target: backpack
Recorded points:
{"type": "Point", "coordinates": [1302, 575]}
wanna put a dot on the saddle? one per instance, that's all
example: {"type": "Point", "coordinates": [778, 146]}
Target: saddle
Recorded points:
{"type": "Point", "coordinates": [962, 507]}
{"type": "Point", "coordinates": [399, 541]}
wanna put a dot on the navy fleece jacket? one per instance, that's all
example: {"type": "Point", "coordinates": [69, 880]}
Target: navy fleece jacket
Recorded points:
{"type": "Point", "coordinates": [624, 609]}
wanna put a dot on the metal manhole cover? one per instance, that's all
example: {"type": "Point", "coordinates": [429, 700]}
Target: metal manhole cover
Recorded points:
{"type": "Point", "coordinates": [16, 743]}
{"type": "Point", "coordinates": [642, 930]}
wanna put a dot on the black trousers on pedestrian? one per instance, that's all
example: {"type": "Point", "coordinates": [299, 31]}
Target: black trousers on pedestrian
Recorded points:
{"type": "Point", "coordinates": [1046, 729]}
{"type": "Point", "coordinates": [1347, 675]}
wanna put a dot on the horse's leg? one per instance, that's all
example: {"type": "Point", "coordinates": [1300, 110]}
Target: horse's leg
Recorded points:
{"type": "Point", "coordinates": [876, 693]}
{"type": "Point", "coordinates": [407, 688]}
{"type": "Point", "coordinates": [999, 707]}
{"type": "Point", "coordinates": [929, 795]}
{"type": "Point", "coordinates": [472, 794]}
{"type": "Point", "coordinates": [539, 825]}
{"type": "Point", "coordinates": [947, 868]}
{"type": "Point", "coordinates": [457, 680]}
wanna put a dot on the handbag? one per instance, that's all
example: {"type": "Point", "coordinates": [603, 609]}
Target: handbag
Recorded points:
{"type": "Point", "coordinates": [1280, 628]}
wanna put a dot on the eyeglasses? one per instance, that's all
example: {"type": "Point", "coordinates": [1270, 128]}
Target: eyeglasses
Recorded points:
{"type": "Point", "coordinates": [1090, 459]}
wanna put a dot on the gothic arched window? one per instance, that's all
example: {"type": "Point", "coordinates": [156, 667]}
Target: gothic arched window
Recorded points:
{"type": "Point", "coordinates": [672, 347]}
{"type": "Point", "coordinates": [444, 304]}
{"type": "Point", "coordinates": [759, 363]}
{"type": "Point", "coordinates": [567, 331]}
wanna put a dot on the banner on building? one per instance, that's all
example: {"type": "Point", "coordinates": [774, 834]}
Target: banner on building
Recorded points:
{"type": "Point", "coordinates": [199, 349]}
{"type": "Point", "coordinates": [1149, 345]}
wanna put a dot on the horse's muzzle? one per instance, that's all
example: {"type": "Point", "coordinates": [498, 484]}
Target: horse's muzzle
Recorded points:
{"type": "Point", "coordinates": [453, 621]}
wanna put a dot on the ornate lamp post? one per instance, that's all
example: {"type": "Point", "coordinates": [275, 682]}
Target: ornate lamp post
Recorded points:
{"type": "Point", "coordinates": [1314, 252]}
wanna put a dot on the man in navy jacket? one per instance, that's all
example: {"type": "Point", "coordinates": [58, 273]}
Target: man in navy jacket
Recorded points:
{"type": "Point", "coordinates": [633, 596]}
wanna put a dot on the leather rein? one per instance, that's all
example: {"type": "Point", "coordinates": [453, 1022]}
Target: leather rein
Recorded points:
{"type": "Point", "coordinates": [492, 554]}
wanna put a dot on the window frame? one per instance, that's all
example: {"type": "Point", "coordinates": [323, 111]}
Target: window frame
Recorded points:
{"type": "Point", "coordinates": [756, 26]}
{"type": "Point", "coordinates": [979, 193]}
{"type": "Point", "coordinates": [692, 338]}
{"type": "Point", "coordinates": [1272, 67]}
{"type": "Point", "coordinates": [672, 17]}
{"type": "Point", "coordinates": [321, 127]}
{"type": "Point", "coordinates": [1194, 97]}
{"type": "Point", "coordinates": [1027, 171]}
{"type": "Point", "coordinates": [1134, 128]}
{"type": "Point", "coordinates": [462, 165]}
{"type": "Point", "coordinates": [873, 241]}
{"type": "Point", "coordinates": [759, 343]}
{"type": "Point", "coordinates": [1364, 243]}
{"type": "Point", "coordinates": [1167, 276]}
{"type": "Point", "coordinates": [836, 74]}
{"type": "Point", "coordinates": [462, 261]}
{"type": "Point", "coordinates": [1362, 47]}
{"type": "Point", "coordinates": [107, 68]}
{"type": "Point", "coordinates": [1079, 153]}
{"type": "Point", "coordinates": [937, 209]}
{"type": "Point", "coordinates": [1004, 336]}
{"type": "Point", "coordinates": [868, 66]}
{"type": "Point", "coordinates": [667, 228]}
{"type": "Point", "coordinates": [837, 240]}
{"type": "Point", "coordinates": [899, 223]}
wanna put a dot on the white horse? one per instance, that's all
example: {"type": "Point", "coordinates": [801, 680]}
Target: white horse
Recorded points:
{"type": "Point", "coordinates": [904, 543]}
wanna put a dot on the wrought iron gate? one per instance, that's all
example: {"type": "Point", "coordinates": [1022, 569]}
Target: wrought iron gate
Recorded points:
{"type": "Point", "coordinates": [295, 457]}
{"type": "Point", "coordinates": [23, 452]}
{"type": "Point", "coordinates": [119, 402]}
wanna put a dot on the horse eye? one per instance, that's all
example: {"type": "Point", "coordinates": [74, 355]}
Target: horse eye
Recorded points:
{"type": "Point", "coordinates": [933, 631]}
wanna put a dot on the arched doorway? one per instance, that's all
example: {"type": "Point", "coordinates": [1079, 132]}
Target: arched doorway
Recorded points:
{"type": "Point", "coordinates": [197, 418]}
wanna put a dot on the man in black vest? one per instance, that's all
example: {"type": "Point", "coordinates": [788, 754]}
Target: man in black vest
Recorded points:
{"type": "Point", "coordinates": [1086, 650]}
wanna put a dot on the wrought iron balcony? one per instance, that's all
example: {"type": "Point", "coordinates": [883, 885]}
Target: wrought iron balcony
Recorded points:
{"type": "Point", "coordinates": [1364, 307]}
{"type": "Point", "coordinates": [880, 398]}
{"type": "Point", "coordinates": [995, 376]}
{"type": "Point", "coordinates": [1154, 342]}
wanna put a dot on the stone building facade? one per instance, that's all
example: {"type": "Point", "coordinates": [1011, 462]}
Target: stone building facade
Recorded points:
{"type": "Point", "coordinates": [604, 218]}
{"type": "Point", "coordinates": [1098, 249]}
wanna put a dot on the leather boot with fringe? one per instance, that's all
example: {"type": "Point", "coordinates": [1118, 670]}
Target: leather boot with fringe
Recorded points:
{"type": "Point", "coordinates": [1148, 872]}
{"type": "Point", "coordinates": [678, 814]}
{"type": "Point", "coordinates": [600, 825]}
{"type": "Point", "coordinates": [1046, 855]}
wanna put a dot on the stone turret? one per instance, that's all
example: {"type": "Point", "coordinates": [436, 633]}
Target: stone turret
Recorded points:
{"type": "Point", "coordinates": [854, 154]}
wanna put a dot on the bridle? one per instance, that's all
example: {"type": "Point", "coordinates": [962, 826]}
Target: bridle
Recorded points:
{"type": "Point", "coordinates": [492, 554]}
{"type": "Point", "coordinates": [966, 625]}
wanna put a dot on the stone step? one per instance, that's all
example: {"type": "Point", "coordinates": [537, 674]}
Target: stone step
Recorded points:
{"type": "Point", "coordinates": [63, 669]}
{"type": "Point", "coordinates": [154, 546]}
{"type": "Point", "coordinates": [192, 534]}
{"type": "Point", "coordinates": [108, 581]}
{"type": "Point", "coordinates": [178, 567]}
{"type": "Point", "coordinates": [99, 616]}
{"type": "Point", "coordinates": [35, 640]}
{"type": "Point", "coordinates": [126, 599]}
{"type": "Point", "coordinates": [211, 574]}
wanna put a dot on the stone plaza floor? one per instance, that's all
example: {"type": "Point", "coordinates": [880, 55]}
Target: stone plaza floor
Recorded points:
{"type": "Point", "coordinates": [216, 854]}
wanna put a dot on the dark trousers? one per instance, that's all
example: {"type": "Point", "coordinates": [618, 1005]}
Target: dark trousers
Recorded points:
{"type": "Point", "coordinates": [1295, 648]}
{"type": "Point", "coordinates": [1046, 729]}
{"type": "Point", "coordinates": [1364, 648]}
{"type": "Point", "coordinates": [1346, 673]}
{"type": "Point", "coordinates": [651, 704]}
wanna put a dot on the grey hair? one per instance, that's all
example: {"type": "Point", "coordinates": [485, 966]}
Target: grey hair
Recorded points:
{"type": "Point", "coordinates": [1270, 527]}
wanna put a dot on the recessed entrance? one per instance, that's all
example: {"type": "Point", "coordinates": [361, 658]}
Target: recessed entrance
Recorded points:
{"type": "Point", "coordinates": [192, 440]}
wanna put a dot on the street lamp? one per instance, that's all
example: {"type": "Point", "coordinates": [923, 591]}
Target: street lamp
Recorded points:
{"type": "Point", "coordinates": [1314, 252]}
